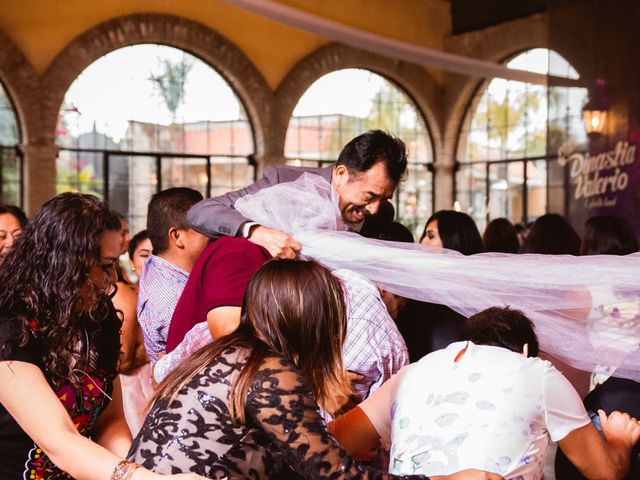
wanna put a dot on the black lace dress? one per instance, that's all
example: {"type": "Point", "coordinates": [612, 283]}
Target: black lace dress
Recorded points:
{"type": "Point", "coordinates": [283, 429]}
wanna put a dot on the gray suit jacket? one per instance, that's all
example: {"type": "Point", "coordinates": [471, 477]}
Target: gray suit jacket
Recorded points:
{"type": "Point", "coordinates": [216, 216]}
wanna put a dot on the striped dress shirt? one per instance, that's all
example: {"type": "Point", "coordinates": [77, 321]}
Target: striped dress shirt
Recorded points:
{"type": "Point", "coordinates": [159, 289]}
{"type": "Point", "coordinates": [373, 348]}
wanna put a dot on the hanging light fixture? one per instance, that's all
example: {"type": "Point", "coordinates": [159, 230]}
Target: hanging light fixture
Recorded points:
{"type": "Point", "coordinates": [594, 118]}
{"type": "Point", "coordinates": [594, 113]}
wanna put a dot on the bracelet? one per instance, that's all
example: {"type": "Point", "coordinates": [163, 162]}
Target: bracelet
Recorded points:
{"type": "Point", "coordinates": [124, 470]}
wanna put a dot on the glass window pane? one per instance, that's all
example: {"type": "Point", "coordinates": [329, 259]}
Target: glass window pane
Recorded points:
{"type": "Point", "coordinates": [10, 166]}
{"type": "Point", "coordinates": [471, 188]}
{"type": "Point", "coordinates": [185, 172]}
{"type": "Point", "coordinates": [230, 173]}
{"type": "Point", "coordinates": [132, 181]}
{"type": "Point", "coordinates": [536, 189]}
{"type": "Point", "coordinates": [80, 172]}
{"type": "Point", "coordinates": [505, 191]}
{"type": "Point", "coordinates": [10, 172]}
{"type": "Point", "coordinates": [152, 99]}
{"type": "Point", "coordinates": [9, 132]}
{"type": "Point", "coordinates": [515, 120]}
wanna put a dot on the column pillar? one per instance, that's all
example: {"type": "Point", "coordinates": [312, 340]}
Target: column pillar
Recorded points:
{"type": "Point", "coordinates": [39, 172]}
{"type": "Point", "coordinates": [444, 176]}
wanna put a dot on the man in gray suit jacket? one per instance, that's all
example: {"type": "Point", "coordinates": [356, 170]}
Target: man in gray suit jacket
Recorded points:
{"type": "Point", "coordinates": [365, 176]}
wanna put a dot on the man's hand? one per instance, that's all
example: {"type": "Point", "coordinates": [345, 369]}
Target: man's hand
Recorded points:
{"type": "Point", "coordinates": [278, 243]}
{"type": "Point", "coordinates": [620, 427]}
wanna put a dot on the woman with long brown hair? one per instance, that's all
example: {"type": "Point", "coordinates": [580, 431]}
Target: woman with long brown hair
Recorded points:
{"type": "Point", "coordinates": [247, 406]}
{"type": "Point", "coordinates": [60, 400]}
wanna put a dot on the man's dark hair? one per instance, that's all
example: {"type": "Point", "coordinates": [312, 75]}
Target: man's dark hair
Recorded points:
{"type": "Point", "coordinates": [16, 212]}
{"type": "Point", "coordinates": [501, 327]}
{"type": "Point", "coordinates": [608, 235]}
{"type": "Point", "coordinates": [168, 209]}
{"type": "Point", "coordinates": [374, 146]}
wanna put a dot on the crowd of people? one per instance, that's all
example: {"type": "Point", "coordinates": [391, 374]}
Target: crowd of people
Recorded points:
{"type": "Point", "coordinates": [222, 351]}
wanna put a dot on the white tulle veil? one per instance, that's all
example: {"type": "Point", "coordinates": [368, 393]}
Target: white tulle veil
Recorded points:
{"type": "Point", "coordinates": [586, 309]}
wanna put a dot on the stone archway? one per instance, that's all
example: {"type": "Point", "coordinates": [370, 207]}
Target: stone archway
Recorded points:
{"type": "Point", "coordinates": [487, 44]}
{"type": "Point", "coordinates": [193, 37]}
{"type": "Point", "coordinates": [410, 78]}
{"type": "Point", "coordinates": [22, 84]}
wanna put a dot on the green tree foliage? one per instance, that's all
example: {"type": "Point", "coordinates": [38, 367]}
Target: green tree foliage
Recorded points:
{"type": "Point", "coordinates": [80, 179]}
{"type": "Point", "coordinates": [170, 82]}
{"type": "Point", "coordinates": [509, 122]}
{"type": "Point", "coordinates": [386, 109]}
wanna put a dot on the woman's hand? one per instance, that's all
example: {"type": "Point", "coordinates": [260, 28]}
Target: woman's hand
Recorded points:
{"type": "Point", "coordinates": [470, 475]}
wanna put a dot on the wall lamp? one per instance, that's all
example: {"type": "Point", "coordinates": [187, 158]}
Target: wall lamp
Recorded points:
{"type": "Point", "coordinates": [594, 113]}
{"type": "Point", "coordinates": [594, 119]}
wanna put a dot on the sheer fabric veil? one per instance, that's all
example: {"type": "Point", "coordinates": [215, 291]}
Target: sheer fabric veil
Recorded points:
{"type": "Point", "coordinates": [586, 309]}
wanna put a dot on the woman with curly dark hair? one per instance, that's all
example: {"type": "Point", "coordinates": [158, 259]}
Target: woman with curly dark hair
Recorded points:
{"type": "Point", "coordinates": [60, 401]}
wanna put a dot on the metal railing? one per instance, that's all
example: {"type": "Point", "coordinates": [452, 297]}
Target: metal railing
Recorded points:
{"type": "Point", "coordinates": [487, 178]}
{"type": "Point", "coordinates": [127, 179]}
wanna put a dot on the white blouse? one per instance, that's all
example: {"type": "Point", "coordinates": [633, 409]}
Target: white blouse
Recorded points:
{"type": "Point", "coordinates": [492, 410]}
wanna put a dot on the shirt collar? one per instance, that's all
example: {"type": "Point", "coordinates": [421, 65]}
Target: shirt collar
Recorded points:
{"type": "Point", "coordinates": [168, 267]}
{"type": "Point", "coordinates": [350, 277]}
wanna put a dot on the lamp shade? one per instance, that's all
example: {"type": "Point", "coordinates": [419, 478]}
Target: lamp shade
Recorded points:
{"type": "Point", "coordinates": [594, 120]}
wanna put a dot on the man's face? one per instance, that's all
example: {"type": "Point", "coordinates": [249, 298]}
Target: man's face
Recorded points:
{"type": "Point", "coordinates": [361, 193]}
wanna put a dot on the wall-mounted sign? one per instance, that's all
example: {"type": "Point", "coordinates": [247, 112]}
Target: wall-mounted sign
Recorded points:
{"type": "Point", "coordinates": [598, 178]}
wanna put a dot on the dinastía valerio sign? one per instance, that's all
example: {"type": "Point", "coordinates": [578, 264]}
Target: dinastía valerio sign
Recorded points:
{"type": "Point", "coordinates": [599, 178]}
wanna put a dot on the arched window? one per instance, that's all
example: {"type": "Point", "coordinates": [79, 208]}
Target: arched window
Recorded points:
{"type": "Point", "coordinates": [149, 117]}
{"type": "Point", "coordinates": [346, 103]}
{"type": "Point", "coordinates": [10, 158]}
{"type": "Point", "coordinates": [502, 153]}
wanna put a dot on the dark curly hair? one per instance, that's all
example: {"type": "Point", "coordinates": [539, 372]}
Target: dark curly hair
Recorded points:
{"type": "Point", "coordinates": [46, 270]}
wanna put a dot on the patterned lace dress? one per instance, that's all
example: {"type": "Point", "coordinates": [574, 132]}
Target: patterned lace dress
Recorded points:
{"type": "Point", "coordinates": [283, 430]}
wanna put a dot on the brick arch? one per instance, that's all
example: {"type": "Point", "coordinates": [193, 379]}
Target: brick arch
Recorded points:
{"type": "Point", "coordinates": [481, 86]}
{"type": "Point", "coordinates": [190, 36]}
{"type": "Point", "coordinates": [410, 78]}
{"type": "Point", "coordinates": [488, 44]}
{"type": "Point", "coordinates": [22, 84]}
